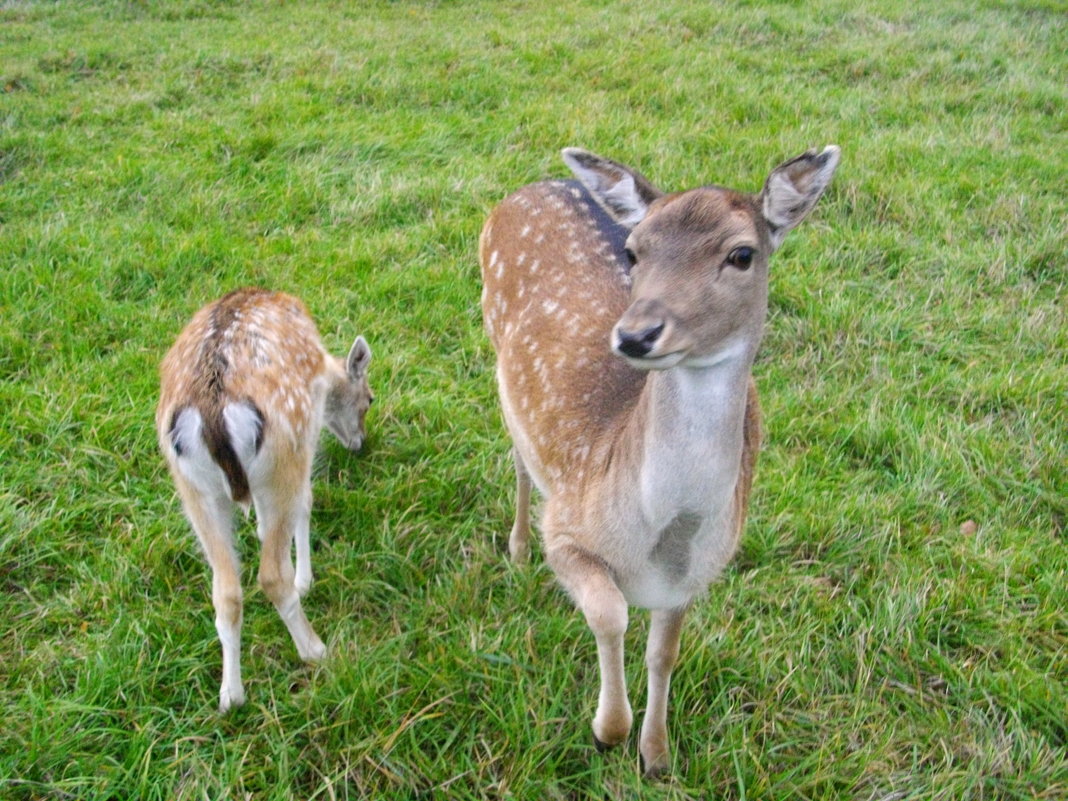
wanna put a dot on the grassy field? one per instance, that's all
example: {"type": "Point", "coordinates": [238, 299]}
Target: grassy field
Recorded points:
{"type": "Point", "coordinates": [896, 624]}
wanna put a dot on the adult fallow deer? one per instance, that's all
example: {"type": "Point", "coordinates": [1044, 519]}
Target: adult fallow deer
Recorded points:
{"type": "Point", "coordinates": [245, 391]}
{"type": "Point", "coordinates": [626, 322]}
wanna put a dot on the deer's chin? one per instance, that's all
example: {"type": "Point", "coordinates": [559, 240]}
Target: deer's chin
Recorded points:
{"type": "Point", "coordinates": [353, 442]}
{"type": "Point", "coordinates": [653, 362]}
{"type": "Point", "coordinates": [731, 351]}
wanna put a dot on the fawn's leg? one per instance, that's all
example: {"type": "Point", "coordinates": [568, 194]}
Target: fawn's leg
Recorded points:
{"type": "Point", "coordinates": [303, 536]}
{"type": "Point", "coordinates": [280, 509]}
{"type": "Point", "coordinates": [212, 518]}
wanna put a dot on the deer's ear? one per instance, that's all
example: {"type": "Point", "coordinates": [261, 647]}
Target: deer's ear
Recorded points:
{"type": "Point", "coordinates": [793, 188]}
{"type": "Point", "coordinates": [358, 359]}
{"type": "Point", "coordinates": [624, 193]}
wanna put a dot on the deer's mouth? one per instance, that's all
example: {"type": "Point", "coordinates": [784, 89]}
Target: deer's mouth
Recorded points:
{"type": "Point", "coordinates": [652, 361]}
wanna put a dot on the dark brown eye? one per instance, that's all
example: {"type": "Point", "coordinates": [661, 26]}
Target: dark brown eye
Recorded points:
{"type": "Point", "coordinates": [741, 258]}
{"type": "Point", "coordinates": [631, 258]}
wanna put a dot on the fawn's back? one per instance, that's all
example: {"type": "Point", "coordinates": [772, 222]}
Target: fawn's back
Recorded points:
{"type": "Point", "coordinates": [247, 369]}
{"type": "Point", "coordinates": [245, 391]}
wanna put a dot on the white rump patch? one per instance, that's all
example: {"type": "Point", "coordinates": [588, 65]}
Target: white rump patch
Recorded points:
{"type": "Point", "coordinates": [243, 425]}
{"type": "Point", "coordinates": [195, 462]}
{"type": "Point", "coordinates": [185, 433]}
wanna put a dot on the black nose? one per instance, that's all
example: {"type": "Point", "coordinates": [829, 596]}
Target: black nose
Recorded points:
{"type": "Point", "coordinates": [638, 344]}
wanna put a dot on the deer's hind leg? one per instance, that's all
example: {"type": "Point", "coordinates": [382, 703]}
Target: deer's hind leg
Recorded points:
{"type": "Point", "coordinates": [211, 515]}
{"type": "Point", "coordinates": [283, 506]}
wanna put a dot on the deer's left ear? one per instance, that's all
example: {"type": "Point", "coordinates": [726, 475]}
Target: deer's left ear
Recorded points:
{"type": "Point", "coordinates": [793, 188]}
{"type": "Point", "coordinates": [358, 359]}
{"type": "Point", "coordinates": [620, 190]}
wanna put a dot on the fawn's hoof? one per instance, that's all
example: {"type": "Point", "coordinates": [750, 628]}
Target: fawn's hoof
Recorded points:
{"type": "Point", "coordinates": [230, 698]}
{"type": "Point", "coordinates": [315, 652]}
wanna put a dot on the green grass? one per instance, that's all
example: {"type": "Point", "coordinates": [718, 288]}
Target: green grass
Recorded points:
{"type": "Point", "coordinates": [864, 645]}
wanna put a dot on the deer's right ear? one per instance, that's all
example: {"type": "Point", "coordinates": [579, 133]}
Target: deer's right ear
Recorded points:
{"type": "Point", "coordinates": [793, 188]}
{"type": "Point", "coordinates": [624, 193]}
{"type": "Point", "coordinates": [358, 359]}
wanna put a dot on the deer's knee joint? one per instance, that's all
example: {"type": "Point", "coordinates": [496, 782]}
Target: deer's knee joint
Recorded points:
{"type": "Point", "coordinates": [228, 603]}
{"type": "Point", "coordinates": [274, 584]}
{"type": "Point", "coordinates": [606, 616]}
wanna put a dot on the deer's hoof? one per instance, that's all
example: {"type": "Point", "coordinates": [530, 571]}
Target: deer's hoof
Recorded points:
{"type": "Point", "coordinates": [655, 768]}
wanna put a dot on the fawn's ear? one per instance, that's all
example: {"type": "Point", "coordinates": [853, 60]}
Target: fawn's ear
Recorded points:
{"type": "Point", "coordinates": [793, 188]}
{"type": "Point", "coordinates": [624, 193]}
{"type": "Point", "coordinates": [358, 359]}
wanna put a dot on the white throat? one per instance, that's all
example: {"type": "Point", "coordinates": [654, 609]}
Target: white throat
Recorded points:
{"type": "Point", "coordinates": [693, 441]}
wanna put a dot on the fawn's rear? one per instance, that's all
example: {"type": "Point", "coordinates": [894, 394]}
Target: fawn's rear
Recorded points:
{"type": "Point", "coordinates": [245, 391]}
{"type": "Point", "coordinates": [626, 322]}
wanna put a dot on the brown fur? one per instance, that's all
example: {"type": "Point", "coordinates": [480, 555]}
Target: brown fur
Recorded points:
{"type": "Point", "coordinates": [255, 355]}
{"type": "Point", "coordinates": [646, 461]}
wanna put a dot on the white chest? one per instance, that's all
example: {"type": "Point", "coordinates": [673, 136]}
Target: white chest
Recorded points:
{"type": "Point", "coordinates": [675, 558]}
{"type": "Point", "coordinates": [678, 528]}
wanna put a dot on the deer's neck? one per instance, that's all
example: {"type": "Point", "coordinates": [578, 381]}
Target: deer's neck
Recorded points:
{"type": "Point", "coordinates": [690, 438]}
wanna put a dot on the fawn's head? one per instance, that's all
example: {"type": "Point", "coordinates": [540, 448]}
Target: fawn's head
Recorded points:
{"type": "Point", "coordinates": [350, 396]}
{"type": "Point", "coordinates": [699, 259]}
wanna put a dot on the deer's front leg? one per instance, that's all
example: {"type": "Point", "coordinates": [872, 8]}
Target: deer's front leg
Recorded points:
{"type": "Point", "coordinates": [302, 536]}
{"type": "Point", "coordinates": [279, 516]}
{"type": "Point", "coordinates": [589, 582]}
{"type": "Point", "coordinates": [661, 652]}
{"type": "Point", "coordinates": [519, 539]}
